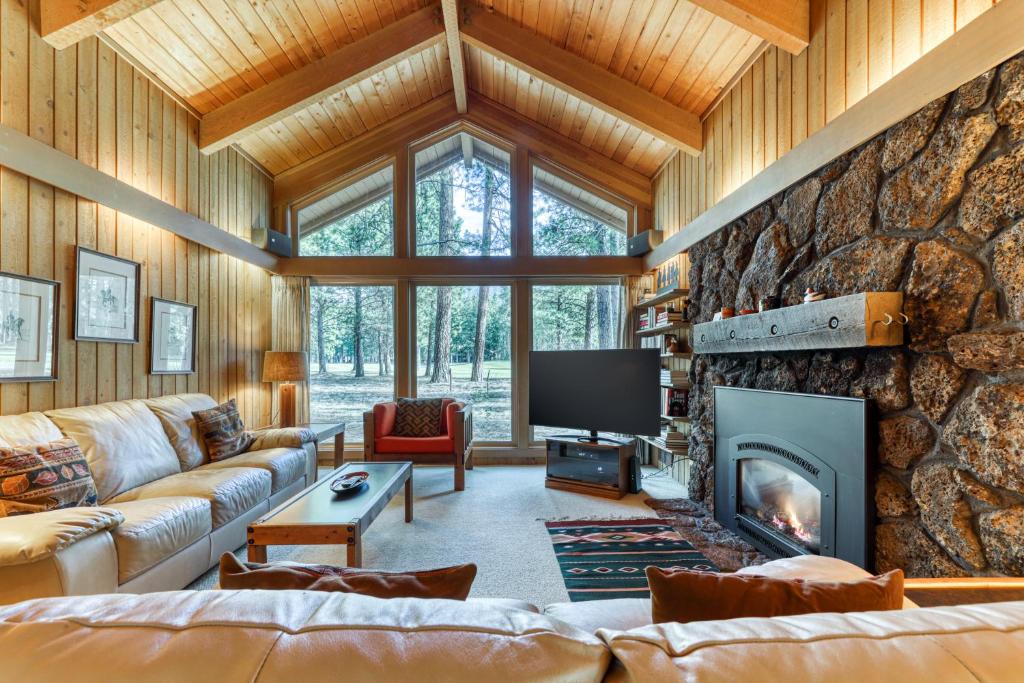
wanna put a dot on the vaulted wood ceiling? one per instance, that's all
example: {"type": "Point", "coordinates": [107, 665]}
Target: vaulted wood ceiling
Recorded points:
{"type": "Point", "coordinates": [288, 80]}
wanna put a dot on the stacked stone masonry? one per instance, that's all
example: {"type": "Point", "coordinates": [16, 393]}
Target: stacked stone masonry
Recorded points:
{"type": "Point", "coordinates": [933, 207]}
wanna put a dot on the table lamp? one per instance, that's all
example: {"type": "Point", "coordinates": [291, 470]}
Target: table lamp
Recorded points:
{"type": "Point", "coordinates": [285, 367]}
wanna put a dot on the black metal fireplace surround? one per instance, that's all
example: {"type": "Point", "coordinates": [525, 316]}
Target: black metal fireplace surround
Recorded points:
{"type": "Point", "coordinates": [792, 472]}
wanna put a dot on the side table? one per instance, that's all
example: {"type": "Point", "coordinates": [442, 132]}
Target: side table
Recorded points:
{"type": "Point", "coordinates": [324, 431]}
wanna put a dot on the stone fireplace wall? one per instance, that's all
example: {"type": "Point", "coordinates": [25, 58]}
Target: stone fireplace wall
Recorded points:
{"type": "Point", "coordinates": [933, 207]}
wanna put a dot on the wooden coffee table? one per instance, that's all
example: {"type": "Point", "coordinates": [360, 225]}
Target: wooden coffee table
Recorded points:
{"type": "Point", "coordinates": [316, 516]}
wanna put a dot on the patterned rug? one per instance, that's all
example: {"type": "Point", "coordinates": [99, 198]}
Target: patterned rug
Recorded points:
{"type": "Point", "coordinates": [602, 560]}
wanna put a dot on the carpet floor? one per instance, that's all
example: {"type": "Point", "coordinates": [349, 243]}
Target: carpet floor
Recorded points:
{"type": "Point", "coordinates": [497, 523]}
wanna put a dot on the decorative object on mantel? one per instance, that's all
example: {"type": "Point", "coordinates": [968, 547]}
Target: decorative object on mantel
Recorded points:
{"type": "Point", "coordinates": [767, 303]}
{"type": "Point", "coordinates": [728, 312]}
{"type": "Point", "coordinates": [811, 295]}
{"type": "Point", "coordinates": [285, 367]}
{"type": "Point", "coordinates": [857, 320]}
{"type": "Point", "coordinates": [747, 311]}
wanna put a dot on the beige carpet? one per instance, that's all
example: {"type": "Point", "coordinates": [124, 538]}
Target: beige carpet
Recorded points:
{"type": "Point", "coordinates": [497, 522]}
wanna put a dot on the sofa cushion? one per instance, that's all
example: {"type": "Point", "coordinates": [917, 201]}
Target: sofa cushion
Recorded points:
{"type": "Point", "coordinates": [409, 444]}
{"type": "Point", "coordinates": [286, 465]}
{"type": "Point", "coordinates": [619, 614]}
{"type": "Point", "coordinates": [682, 595]}
{"type": "Point", "coordinates": [123, 441]}
{"type": "Point", "coordinates": [222, 431]}
{"type": "Point", "coordinates": [291, 636]}
{"type": "Point", "coordinates": [45, 476]}
{"type": "Point", "coordinates": [30, 538]}
{"type": "Point", "coordinates": [231, 491]}
{"type": "Point", "coordinates": [968, 643]}
{"type": "Point", "coordinates": [175, 414]}
{"type": "Point", "coordinates": [815, 568]}
{"type": "Point", "coordinates": [18, 430]}
{"type": "Point", "coordinates": [154, 529]}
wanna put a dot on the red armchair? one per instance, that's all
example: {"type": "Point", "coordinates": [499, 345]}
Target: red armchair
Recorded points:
{"type": "Point", "coordinates": [454, 445]}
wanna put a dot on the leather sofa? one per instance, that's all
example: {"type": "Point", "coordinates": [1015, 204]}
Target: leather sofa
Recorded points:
{"type": "Point", "coordinates": [166, 512]}
{"type": "Point", "coordinates": [227, 636]}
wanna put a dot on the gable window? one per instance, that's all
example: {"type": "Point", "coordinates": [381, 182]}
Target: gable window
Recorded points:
{"type": "Point", "coordinates": [463, 196]}
{"type": "Point", "coordinates": [355, 219]}
{"type": "Point", "coordinates": [570, 220]}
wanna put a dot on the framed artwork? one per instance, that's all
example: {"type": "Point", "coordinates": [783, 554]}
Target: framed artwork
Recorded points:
{"type": "Point", "coordinates": [173, 337]}
{"type": "Point", "coordinates": [29, 307]}
{"type": "Point", "coordinates": [106, 298]}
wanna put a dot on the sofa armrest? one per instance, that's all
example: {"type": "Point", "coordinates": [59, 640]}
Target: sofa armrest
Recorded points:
{"type": "Point", "coordinates": [30, 538]}
{"type": "Point", "coordinates": [285, 437]}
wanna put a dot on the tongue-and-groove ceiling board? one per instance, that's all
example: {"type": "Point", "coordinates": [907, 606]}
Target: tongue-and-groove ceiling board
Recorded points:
{"type": "Point", "coordinates": [210, 52]}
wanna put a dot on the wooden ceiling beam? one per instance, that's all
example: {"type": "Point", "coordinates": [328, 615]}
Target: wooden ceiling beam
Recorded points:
{"type": "Point", "coordinates": [450, 12]}
{"type": "Point", "coordinates": [590, 165]}
{"type": "Point", "coordinates": [320, 79]}
{"type": "Point", "coordinates": [589, 82]}
{"type": "Point", "coordinates": [373, 145]}
{"type": "Point", "coordinates": [62, 23]}
{"type": "Point", "coordinates": [783, 23]}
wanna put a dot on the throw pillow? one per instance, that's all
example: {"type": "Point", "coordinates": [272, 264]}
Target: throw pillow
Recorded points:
{"type": "Point", "coordinates": [683, 595]}
{"type": "Point", "coordinates": [222, 431]}
{"type": "Point", "coordinates": [418, 417]}
{"type": "Point", "coordinates": [45, 476]}
{"type": "Point", "coordinates": [450, 583]}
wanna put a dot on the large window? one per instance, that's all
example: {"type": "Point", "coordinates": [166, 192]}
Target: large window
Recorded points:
{"type": "Point", "coordinates": [569, 220]}
{"type": "Point", "coordinates": [462, 198]}
{"type": "Point", "coordinates": [574, 317]}
{"type": "Point", "coordinates": [352, 360]}
{"type": "Point", "coordinates": [464, 350]}
{"type": "Point", "coordinates": [354, 220]}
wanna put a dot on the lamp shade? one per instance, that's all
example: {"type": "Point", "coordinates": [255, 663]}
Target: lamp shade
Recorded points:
{"type": "Point", "coordinates": [284, 366]}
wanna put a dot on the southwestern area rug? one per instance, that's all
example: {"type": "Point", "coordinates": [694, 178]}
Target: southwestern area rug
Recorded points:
{"type": "Point", "coordinates": [606, 559]}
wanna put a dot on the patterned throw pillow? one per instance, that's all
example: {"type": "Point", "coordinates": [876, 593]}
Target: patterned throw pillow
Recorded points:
{"type": "Point", "coordinates": [222, 431]}
{"type": "Point", "coordinates": [45, 476]}
{"type": "Point", "coordinates": [418, 417]}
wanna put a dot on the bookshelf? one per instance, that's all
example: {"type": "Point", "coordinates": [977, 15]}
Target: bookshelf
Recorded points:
{"type": "Point", "coordinates": [663, 290]}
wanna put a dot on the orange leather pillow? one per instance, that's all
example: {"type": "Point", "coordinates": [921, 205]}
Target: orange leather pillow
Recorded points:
{"type": "Point", "coordinates": [682, 595]}
{"type": "Point", "coordinates": [450, 583]}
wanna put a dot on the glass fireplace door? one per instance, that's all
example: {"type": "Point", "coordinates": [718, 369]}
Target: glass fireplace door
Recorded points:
{"type": "Point", "coordinates": [782, 501]}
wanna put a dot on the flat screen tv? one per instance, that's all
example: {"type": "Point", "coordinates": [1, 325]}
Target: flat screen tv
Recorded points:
{"type": "Point", "coordinates": [608, 391]}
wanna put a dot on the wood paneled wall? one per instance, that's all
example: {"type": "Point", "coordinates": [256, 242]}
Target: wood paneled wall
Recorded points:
{"type": "Point", "coordinates": [91, 104]}
{"type": "Point", "coordinates": [856, 45]}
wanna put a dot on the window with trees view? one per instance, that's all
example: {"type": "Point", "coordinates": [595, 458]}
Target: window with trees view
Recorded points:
{"type": "Point", "coordinates": [571, 221]}
{"type": "Point", "coordinates": [463, 198]}
{"type": "Point", "coordinates": [464, 350]}
{"type": "Point", "coordinates": [575, 317]}
{"type": "Point", "coordinates": [355, 220]}
{"type": "Point", "coordinates": [352, 363]}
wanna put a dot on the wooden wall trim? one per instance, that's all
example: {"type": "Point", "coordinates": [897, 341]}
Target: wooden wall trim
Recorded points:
{"type": "Point", "coordinates": [391, 267]}
{"type": "Point", "coordinates": [990, 39]}
{"type": "Point", "coordinates": [38, 160]}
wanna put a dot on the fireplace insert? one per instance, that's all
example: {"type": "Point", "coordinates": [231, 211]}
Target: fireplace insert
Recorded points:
{"type": "Point", "coordinates": [792, 472]}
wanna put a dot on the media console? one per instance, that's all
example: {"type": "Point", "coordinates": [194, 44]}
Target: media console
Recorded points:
{"type": "Point", "coordinates": [601, 468]}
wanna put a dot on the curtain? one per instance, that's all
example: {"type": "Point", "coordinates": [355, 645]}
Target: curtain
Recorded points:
{"type": "Point", "coordinates": [290, 332]}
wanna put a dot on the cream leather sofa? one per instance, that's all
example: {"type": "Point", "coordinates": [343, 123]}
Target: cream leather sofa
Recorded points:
{"type": "Point", "coordinates": [226, 636]}
{"type": "Point", "coordinates": [166, 512]}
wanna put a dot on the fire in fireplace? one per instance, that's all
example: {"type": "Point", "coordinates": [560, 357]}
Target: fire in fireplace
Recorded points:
{"type": "Point", "coordinates": [792, 472]}
{"type": "Point", "coordinates": [778, 498]}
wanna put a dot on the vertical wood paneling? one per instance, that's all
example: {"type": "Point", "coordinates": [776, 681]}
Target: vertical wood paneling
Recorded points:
{"type": "Point", "coordinates": [87, 102]}
{"type": "Point", "coordinates": [856, 45]}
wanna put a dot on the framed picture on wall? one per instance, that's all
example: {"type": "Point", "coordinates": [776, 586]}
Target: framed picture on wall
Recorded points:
{"type": "Point", "coordinates": [29, 308]}
{"type": "Point", "coordinates": [172, 337]}
{"type": "Point", "coordinates": [106, 298]}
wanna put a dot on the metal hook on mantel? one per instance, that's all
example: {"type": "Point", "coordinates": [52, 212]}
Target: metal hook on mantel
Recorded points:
{"type": "Point", "coordinates": [888, 320]}
{"type": "Point", "coordinates": [903, 318]}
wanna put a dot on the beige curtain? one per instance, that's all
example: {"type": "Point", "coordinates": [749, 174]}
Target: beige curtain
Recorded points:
{"type": "Point", "coordinates": [290, 331]}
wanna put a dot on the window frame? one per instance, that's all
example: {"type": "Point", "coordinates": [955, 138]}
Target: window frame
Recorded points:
{"type": "Point", "coordinates": [513, 175]}
{"type": "Point", "coordinates": [338, 185]}
{"type": "Point", "coordinates": [575, 179]}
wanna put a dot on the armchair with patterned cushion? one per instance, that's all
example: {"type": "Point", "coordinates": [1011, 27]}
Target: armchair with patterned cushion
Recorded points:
{"type": "Point", "coordinates": [425, 431]}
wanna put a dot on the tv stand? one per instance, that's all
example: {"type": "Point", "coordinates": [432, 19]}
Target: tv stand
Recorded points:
{"type": "Point", "coordinates": [593, 438]}
{"type": "Point", "coordinates": [602, 467]}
